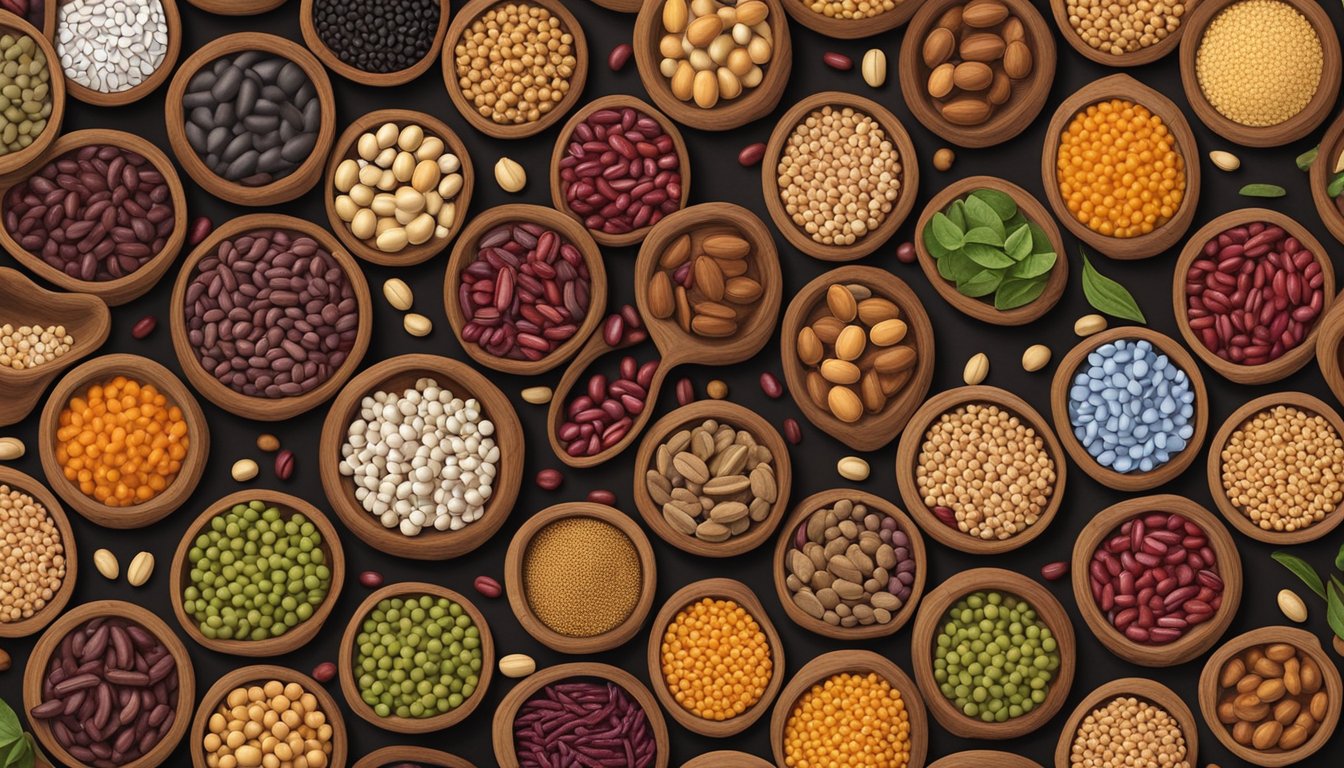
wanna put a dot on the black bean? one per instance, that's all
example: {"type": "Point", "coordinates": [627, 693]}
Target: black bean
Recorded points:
{"type": "Point", "coordinates": [381, 37]}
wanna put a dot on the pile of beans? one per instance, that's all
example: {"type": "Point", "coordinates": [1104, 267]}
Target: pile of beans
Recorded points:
{"type": "Point", "coordinates": [95, 213]}
{"type": "Point", "coordinates": [582, 576]}
{"type": "Point", "coordinates": [1117, 28]}
{"type": "Point", "coordinates": [519, 83]}
{"type": "Point", "coordinates": [849, 719]}
{"type": "Point", "coordinates": [33, 566]}
{"type": "Point", "coordinates": [716, 659]}
{"type": "Point", "coordinates": [975, 54]}
{"type": "Point", "coordinates": [110, 692]}
{"type": "Point", "coordinates": [1126, 729]}
{"type": "Point", "coordinates": [417, 657]}
{"type": "Point", "coordinates": [111, 45]}
{"type": "Point", "coordinates": [709, 280]}
{"type": "Point", "coordinates": [621, 171]}
{"type": "Point", "coordinates": [1254, 294]}
{"type": "Point", "coordinates": [31, 11]}
{"type": "Point", "coordinates": [29, 346]}
{"type": "Point", "coordinates": [1259, 62]}
{"type": "Point", "coordinates": [25, 92]}
{"type": "Point", "coordinates": [583, 723]}
{"type": "Point", "coordinates": [714, 51]}
{"type": "Point", "coordinates": [1156, 578]}
{"type": "Point", "coordinates": [1284, 469]}
{"type": "Point", "coordinates": [604, 412]}
{"type": "Point", "coordinates": [275, 724]}
{"type": "Point", "coordinates": [853, 9]}
{"type": "Point", "coordinates": [378, 37]}
{"type": "Point", "coordinates": [1272, 697]}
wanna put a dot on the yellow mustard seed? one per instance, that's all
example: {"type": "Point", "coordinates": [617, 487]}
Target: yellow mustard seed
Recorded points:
{"type": "Point", "coordinates": [1259, 62]}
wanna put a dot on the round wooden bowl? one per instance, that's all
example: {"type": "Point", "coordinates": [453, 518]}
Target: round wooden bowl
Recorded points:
{"type": "Point", "coordinates": [851, 29]}
{"type": "Point", "coordinates": [1235, 516]}
{"type": "Point", "coordinates": [618, 102]}
{"type": "Point", "coordinates": [1306, 643]}
{"type": "Point", "coordinates": [346, 148]}
{"type": "Point", "coordinates": [508, 708]}
{"type": "Point", "coordinates": [1127, 88]}
{"type": "Point", "coordinates": [879, 505]}
{"type": "Point", "coordinates": [18, 481]}
{"type": "Point", "coordinates": [1059, 409]}
{"type": "Point", "coordinates": [75, 618]}
{"type": "Point", "coordinates": [874, 430]}
{"type": "Point", "coordinates": [1105, 525]}
{"type": "Point", "coordinates": [461, 22]}
{"type": "Point", "coordinates": [314, 41]}
{"type": "Point", "coordinates": [431, 758]}
{"type": "Point", "coordinates": [398, 374]}
{"type": "Point", "coordinates": [1290, 361]}
{"type": "Point", "coordinates": [173, 20]}
{"type": "Point", "coordinates": [1149, 691]}
{"type": "Point", "coordinates": [123, 289]}
{"type": "Point", "coordinates": [464, 254]}
{"type": "Point", "coordinates": [1295, 127]}
{"type": "Point", "coordinates": [1322, 170]}
{"type": "Point", "coordinates": [749, 106]}
{"type": "Point", "coordinates": [258, 674]}
{"type": "Point", "coordinates": [726, 758]}
{"type": "Point", "coordinates": [237, 7]}
{"type": "Point", "coordinates": [229, 399]}
{"type": "Point", "coordinates": [1330, 348]}
{"type": "Point", "coordinates": [828, 665]}
{"type": "Point", "coordinates": [930, 619]}
{"type": "Point", "coordinates": [146, 371]}
{"type": "Point", "coordinates": [345, 663]}
{"type": "Point", "coordinates": [912, 441]}
{"type": "Point", "coordinates": [1034, 212]}
{"type": "Point", "coordinates": [620, 6]}
{"type": "Point", "coordinates": [905, 201]}
{"type": "Point", "coordinates": [1146, 55]}
{"type": "Point", "coordinates": [979, 758]}
{"type": "Point", "coordinates": [296, 637]}
{"type": "Point", "coordinates": [304, 177]}
{"type": "Point", "coordinates": [515, 584]}
{"type": "Point", "coordinates": [15, 163]}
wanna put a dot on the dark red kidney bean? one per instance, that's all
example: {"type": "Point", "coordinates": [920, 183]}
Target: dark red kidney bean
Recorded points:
{"type": "Point", "coordinates": [200, 229]}
{"type": "Point", "coordinates": [751, 154]}
{"type": "Point", "coordinates": [370, 579]}
{"type": "Point", "coordinates": [144, 327]}
{"type": "Point", "coordinates": [838, 61]}
{"type": "Point", "coordinates": [549, 479]}
{"type": "Point", "coordinates": [905, 253]}
{"type": "Point", "coordinates": [621, 171]}
{"type": "Point", "coordinates": [284, 464]}
{"type": "Point", "coordinates": [488, 587]}
{"type": "Point", "coordinates": [792, 432]}
{"type": "Point", "coordinates": [620, 56]}
{"type": "Point", "coordinates": [771, 386]}
{"type": "Point", "coordinates": [324, 672]}
{"type": "Point", "coordinates": [601, 496]}
{"type": "Point", "coordinates": [599, 721]}
{"type": "Point", "coordinates": [946, 516]}
{"type": "Point", "coordinates": [605, 411]}
{"type": "Point", "coordinates": [685, 391]}
{"type": "Point", "coordinates": [1055, 571]}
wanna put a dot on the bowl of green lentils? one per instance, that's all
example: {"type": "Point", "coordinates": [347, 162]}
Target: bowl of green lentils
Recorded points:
{"type": "Point", "coordinates": [27, 85]}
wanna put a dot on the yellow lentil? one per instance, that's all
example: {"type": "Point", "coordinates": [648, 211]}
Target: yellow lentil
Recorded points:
{"type": "Point", "coordinates": [848, 721]}
{"type": "Point", "coordinates": [582, 576]}
{"type": "Point", "coordinates": [716, 659]}
{"type": "Point", "coordinates": [33, 565]}
{"type": "Point", "coordinates": [1128, 732]}
{"type": "Point", "coordinates": [1283, 469]}
{"type": "Point", "coordinates": [1259, 62]}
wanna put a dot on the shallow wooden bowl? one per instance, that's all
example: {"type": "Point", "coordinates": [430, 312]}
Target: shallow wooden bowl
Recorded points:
{"type": "Point", "coordinates": [462, 22]}
{"type": "Point", "coordinates": [725, 758]}
{"type": "Point", "coordinates": [431, 758]}
{"type": "Point", "coordinates": [345, 662]}
{"type": "Point", "coordinates": [851, 29]}
{"type": "Point", "coordinates": [464, 254]}
{"type": "Point", "coordinates": [1142, 56]}
{"type": "Point", "coordinates": [508, 708]}
{"type": "Point", "coordinates": [76, 617]}
{"type": "Point", "coordinates": [97, 371]}
{"type": "Point", "coordinates": [173, 21]}
{"type": "Point", "coordinates": [618, 102]}
{"type": "Point", "coordinates": [397, 374]}
{"type": "Point", "coordinates": [18, 481]}
{"type": "Point", "coordinates": [1235, 516]}
{"type": "Point", "coordinates": [912, 441]}
{"type": "Point", "coordinates": [874, 430]}
{"type": "Point", "coordinates": [304, 177]}
{"type": "Point", "coordinates": [1105, 525]}
{"type": "Point", "coordinates": [1322, 170]}
{"type": "Point", "coordinates": [879, 505]}
{"type": "Point", "coordinates": [1306, 643]}
{"type": "Point", "coordinates": [620, 6]}
{"type": "Point", "coordinates": [258, 674]}
{"type": "Point", "coordinates": [515, 584]}
{"type": "Point", "coordinates": [749, 106]}
{"type": "Point", "coordinates": [346, 148]}
{"type": "Point", "coordinates": [237, 7]}
{"type": "Point", "coordinates": [828, 665]}
{"type": "Point", "coordinates": [905, 200]}
{"type": "Point", "coordinates": [1330, 348]}
{"type": "Point", "coordinates": [296, 637]}
{"type": "Point", "coordinates": [313, 40]}
{"type": "Point", "coordinates": [15, 163]}
{"type": "Point", "coordinates": [930, 619]}
{"type": "Point", "coordinates": [979, 758]}
{"type": "Point", "coordinates": [1292, 129]}
{"type": "Point", "coordinates": [1059, 409]}
{"type": "Point", "coordinates": [1149, 691]}
{"type": "Point", "coordinates": [1123, 87]}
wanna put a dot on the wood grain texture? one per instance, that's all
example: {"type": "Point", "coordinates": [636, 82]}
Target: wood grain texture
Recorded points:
{"type": "Point", "coordinates": [1149, 691]}
{"type": "Point", "coordinates": [22, 483]}
{"type": "Point", "coordinates": [726, 758]}
{"type": "Point", "coordinates": [237, 7]}
{"type": "Point", "coordinates": [620, 6]}
{"type": "Point", "coordinates": [1322, 170]}
{"type": "Point", "coordinates": [15, 164]}
{"type": "Point", "coordinates": [314, 41]}
{"type": "Point", "coordinates": [1146, 55]}
{"type": "Point", "coordinates": [260, 674]}
{"type": "Point", "coordinates": [173, 22]}
{"type": "Point", "coordinates": [429, 758]}
{"type": "Point", "coordinates": [851, 29]}
{"type": "Point", "coordinates": [984, 758]}
{"type": "Point", "coordinates": [1330, 348]}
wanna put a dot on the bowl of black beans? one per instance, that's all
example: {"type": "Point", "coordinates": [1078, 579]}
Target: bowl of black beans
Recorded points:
{"type": "Point", "coordinates": [380, 44]}
{"type": "Point", "coordinates": [411, 757]}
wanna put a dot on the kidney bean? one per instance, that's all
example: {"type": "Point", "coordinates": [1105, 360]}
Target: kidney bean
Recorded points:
{"type": "Point", "coordinates": [838, 61]}
{"type": "Point", "coordinates": [602, 497]}
{"type": "Point", "coordinates": [905, 253]}
{"type": "Point", "coordinates": [1055, 571]}
{"type": "Point", "coordinates": [370, 579]}
{"type": "Point", "coordinates": [792, 432]}
{"type": "Point", "coordinates": [604, 413]}
{"type": "Point", "coordinates": [621, 171]}
{"type": "Point", "coordinates": [488, 587]}
{"type": "Point", "coordinates": [549, 479]}
{"type": "Point", "coordinates": [324, 672]}
{"type": "Point", "coordinates": [946, 516]}
{"type": "Point", "coordinates": [771, 386]}
{"type": "Point", "coordinates": [620, 56]}
{"type": "Point", "coordinates": [284, 464]}
{"type": "Point", "coordinates": [201, 228]}
{"type": "Point", "coordinates": [685, 391]}
{"type": "Point", "coordinates": [599, 721]}
{"type": "Point", "coordinates": [144, 327]}
{"type": "Point", "coordinates": [751, 154]}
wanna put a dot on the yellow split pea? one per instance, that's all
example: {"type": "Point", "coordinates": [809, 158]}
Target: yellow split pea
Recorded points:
{"type": "Point", "coordinates": [850, 721]}
{"type": "Point", "coordinates": [1259, 62]}
{"type": "Point", "coordinates": [716, 659]}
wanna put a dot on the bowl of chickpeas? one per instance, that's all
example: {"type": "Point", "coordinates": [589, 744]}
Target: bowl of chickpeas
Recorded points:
{"type": "Point", "coordinates": [267, 715]}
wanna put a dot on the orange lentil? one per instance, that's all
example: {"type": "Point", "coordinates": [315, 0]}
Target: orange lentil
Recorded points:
{"type": "Point", "coordinates": [1118, 169]}
{"type": "Point", "coordinates": [848, 721]}
{"type": "Point", "coordinates": [122, 442]}
{"type": "Point", "coordinates": [716, 659]}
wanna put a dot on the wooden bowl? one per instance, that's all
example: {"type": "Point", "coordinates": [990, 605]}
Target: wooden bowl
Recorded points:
{"type": "Point", "coordinates": [237, 7]}
{"type": "Point", "coordinates": [48, 20]}
{"type": "Point", "coordinates": [905, 201]}
{"type": "Point", "coordinates": [719, 589]}
{"type": "Point", "coordinates": [749, 106]}
{"type": "Point", "coordinates": [515, 584]}
{"type": "Point", "coordinates": [224, 396]}
{"type": "Point", "coordinates": [1127, 88]}
{"type": "Point", "coordinates": [85, 317]}
{"type": "Point", "coordinates": [874, 430]}
{"type": "Point", "coordinates": [1330, 348]}
{"type": "Point", "coordinates": [431, 758]}
{"type": "Point", "coordinates": [15, 163]}
{"type": "Point", "coordinates": [314, 41]}
{"type": "Point", "coordinates": [296, 637]}
{"type": "Point", "coordinates": [75, 618]}
{"type": "Point", "coordinates": [1292, 129]}
{"type": "Point", "coordinates": [173, 21]}
{"type": "Point", "coordinates": [259, 674]}
{"type": "Point", "coordinates": [930, 619]}
{"type": "Point", "coordinates": [345, 663]}
{"type": "Point", "coordinates": [1306, 643]}
{"type": "Point", "coordinates": [18, 481]}
{"type": "Point", "coordinates": [1059, 409]}
{"type": "Point", "coordinates": [396, 374]}
{"type": "Point", "coordinates": [461, 22]}
{"type": "Point", "coordinates": [1322, 170]}
{"type": "Point", "coordinates": [620, 6]}
{"type": "Point", "coordinates": [123, 289]}
{"type": "Point", "coordinates": [1235, 516]}
{"type": "Point", "coordinates": [740, 418]}
{"type": "Point", "coordinates": [346, 148]}
{"type": "Point", "coordinates": [912, 442]}
{"type": "Point", "coordinates": [146, 371]}
{"type": "Point", "coordinates": [726, 758]}
{"type": "Point", "coordinates": [508, 708]}
{"type": "Point", "coordinates": [304, 177]}
{"type": "Point", "coordinates": [464, 254]}
{"type": "Point", "coordinates": [1149, 691]}
{"type": "Point", "coordinates": [1146, 55]}
{"type": "Point", "coordinates": [979, 758]}
{"type": "Point", "coordinates": [1195, 642]}
{"type": "Point", "coordinates": [617, 101]}
{"type": "Point", "coordinates": [851, 29]}
{"type": "Point", "coordinates": [828, 665]}
{"type": "Point", "coordinates": [1034, 212]}
{"type": "Point", "coordinates": [877, 504]}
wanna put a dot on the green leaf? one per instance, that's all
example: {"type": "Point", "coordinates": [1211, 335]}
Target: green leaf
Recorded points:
{"type": "Point", "coordinates": [979, 214]}
{"type": "Point", "coordinates": [21, 756]}
{"type": "Point", "coordinates": [1339, 558]}
{"type": "Point", "coordinates": [956, 266]}
{"type": "Point", "coordinates": [987, 256]}
{"type": "Point", "coordinates": [1018, 244]}
{"type": "Point", "coordinates": [1336, 187]}
{"type": "Point", "coordinates": [947, 232]}
{"type": "Point", "coordinates": [956, 213]}
{"type": "Point", "coordinates": [1334, 609]}
{"type": "Point", "coordinates": [1002, 204]}
{"type": "Point", "coordinates": [1040, 242]}
{"type": "Point", "coordinates": [1263, 190]}
{"type": "Point", "coordinates": [1034, 265]}
{"type": "Point", "coordinates": [1302, 570]}
{"type": "Point", "coordinates": [1305, 159]}
{"type": "Point", "coordinates": [982, 283]}
{"type": "Point", "coordinates": [935, 248]}
{"type": "Point", "coordinates": [1108, 296]}
{"type": "Point", "coordinates": [37, 751]}
{"type": "Point", "coordinates": [1014, 293]}
{"type": "Point", "coordinates": [985, 236]}
{"type": "Point", "coordinates": [10, 729]}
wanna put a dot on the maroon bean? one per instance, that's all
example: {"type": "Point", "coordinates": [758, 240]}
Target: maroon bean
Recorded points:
{"type": "Point", "coordinates": [946, 516]}
{"type": "Point", "coordinates": [685, 391]}
{"type": "Point", "coordinates": [549, 479]}
{"type": "Point", "coordinates": [370, 579]}
{"type": "Point", "coordinates": [792, 432]}
{"type": "Point", "coordinates": [620, 56]}
{"type": "Point", "coordinates": [488, 587]}
{"type": "Point", "coordinates": [905, 253]}
{"type": "Point", "coordinates": [201, 228]}
{"type": "Point", "coordinates": [838, 61]}
{"type": "Point", "coordinates": [324, 672]}
{"type": "Point", "coordinates": [595, 719]}
{"type": "Point", "coordinates": [1055, 571]}
{"type": "Point", "coordinates": [771, 386]}
{"type": "Point", "coordinates": [602, 416]}
{"type": "Point", "coordinates": [602, 497]}
{"type": "Point", "coordinates": [751, 154]}
{"type": "Point", "coordinates": [144, 327]}
{"type": "Point", "coordinates": [284, 464]}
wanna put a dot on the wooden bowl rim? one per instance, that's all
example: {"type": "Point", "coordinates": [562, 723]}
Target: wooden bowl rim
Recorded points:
{"type": "Point", "coordinates": [172, 23]}
{"type": "Point", "coordinates": [620, 6]}
{"type": "Point", "coordinates": [431, 758]}
{"type": "Point", "coordinates": [23, 483]}
{"type": "Point", "coordinates": [1328, 348]}
{"type": "Point", "coordinates": [977, 758]}
{"type": "Point", "coordinates": [95, 317]}
{"type": "Point", "coordinates": [1150, 691]}
{"type": "Point", "coordinates": [17, 163]}
{"type": "Point", "coordinates": [594, 348]}
{"type": "Point", "coordinates": [314, 41]}
{"type": "Point", "coordinates": [258, 673]}
{"type": "Point", "coordinates": [851, 29]}
{"type": "Point", "coordinates": [236, 7]}
{"type": "Point", "coordinates": [725, 758]}
{"type": "Point", "coordinates": [1145, 55]}
{"type": "Point", "coordinates": [1321, 171]}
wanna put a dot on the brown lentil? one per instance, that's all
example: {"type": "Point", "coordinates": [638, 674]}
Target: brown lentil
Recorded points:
{"type": "Point", "coordinates": [1272, 697]}
{"type": "Point", "coordinates": [1118, 28]}
{"type": "Point", "coordinates": [1125, 732]}
{"type": "Point", "coordinates": [275, 724]}
{"type": "Point", "coordinates": [33, 567]}
{"type": "Point", "coordinates": [519, 83]}
{"type": "Point", "coordinates": [582, 576]}
{"type": "Point", "coordinates": [28, 346]}
{"type": "Point", "coordinates": [1259, 62]}
{"type": "Point", "coordinates": [1283, 468]}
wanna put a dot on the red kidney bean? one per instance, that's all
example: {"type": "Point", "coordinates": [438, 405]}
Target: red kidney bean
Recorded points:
{"type": "Point", "coordinates": [838, 61]}
{"type": "Point", "coordinates": [624, 327]}
{"type": "Point", "coordinates": [602, 497]}
{"type": "Point", "coordinates": [685, 392]}
{"type": "Point", "coordinates": [144, 326]}
{"type": "Point", "coordinates": [597, 720]}
{"type": "Point", "coordinates": [549, 479]}
{"type": "Point", "coordinates": [370, 579]}
{"type": "Point", "coordinates": [946, 516]}
{"type": "Point", "coordinates": [792, 432]}
{"type": "Point", "coordinates": [751, 154]}
{"type": "Point", "coordinates": [284, 464]}
{"type": "Point", "coordinates": [771, 386]}
{"type": "Point", "coordinates": [620, 56]}
{"type": "Point", "coordinates": [324, 672]}
{"type": "Point", "coordinates": [603, 413]}
{"type": "Point", "coordinates": [621, 171]}
{"type": "Point", "coordinates": [1055, 571]}
{"type": "Point", "coordinates": [905, 253]}
{"type": "Point", "coordinates": [200, 229]}
{"type": "Point", "coordinates": [488, 587]}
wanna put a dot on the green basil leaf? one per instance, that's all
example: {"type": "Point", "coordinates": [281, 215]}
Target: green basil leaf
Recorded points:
{"type": "Point", "coordinates": [1002, 204]}
{"type": "Point", "coordinates": [987, 256]}
{"type": "Point", "coordinates": [982, 283]}
{"type": "Point", "coordinates": [1302, 570]}
{"type": "Point", "coordinates": [1108, 296]}
{"type": "Point", "coordinates": [1305, 159]}
{"type": "Point", "coordinates": [979, 214]}
{"type": "Point", "coordinates": [1015, 221]}
{"type": "Point", "coordinates": [1336, 187]}
{"type": "Point", "coordinates": [1334, 609]}
{"type": "Point", "coordinates": [1034, 265]}
{"type": "Point", "coordinates": [1016, 293]}
{"type": "Point", "coordinates": [985, 236]}
{"type": "Point", "coordinates": [21, 756]}
{"type": "Point", "coordinates": [1262, 190]}
{"type": "Point", "coordinates": [1018, 244]}
{"type": "Point", "coordinates": [1040, 242]}
{"type": "Point", "coordinates": [947, 233]}
{"type": "Point", "coordinates": [37, 751]}
{"type": "Point", "coordinates": [956, 213]}
{"type": "Point", "coordinates": [1339, 558]}
{"type": "Point", "coordinates": [956, 266]}
{"type": "Point", "coordinates": [10, 729]}
{"type": "Point", "coordinates": [931, 244]}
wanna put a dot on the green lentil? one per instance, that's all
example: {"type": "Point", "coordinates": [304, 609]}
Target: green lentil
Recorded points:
{"type": "Point", "coordinates": [417, 657]}
{"type": "Point", "coordinates": [25, 92]}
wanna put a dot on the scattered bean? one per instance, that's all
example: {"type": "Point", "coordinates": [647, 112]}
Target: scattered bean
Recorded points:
{"type": "Point", "coordinates": [601, 496]}
{"type": "Point", "coordinates": [1036, 357]}
{"type": "Point", "coordinates": [906, 253]}
{"type": "Point", "coordinates": [1292, 606]}
{"type": "Point", "coordinates": [324, 672]}
{"type": "Point", "coordinates": [244, 470]}
{"type": "Point", "coordinates": [1055, 571]}
{"type": "Point", "coordinates": [140, 569]}
{"type": "Point", "coordinates": [201, 227]}
{"type": "Point", "coordinates": [284, 464]}
{"type": "Point", "coordinates": [488, 587]}
{"type": "Point", "coordinates": [770, 386]}
{"type": "Point", "coordinates": [268, 443]}
{"type": "Point", "coordinates": [717, 389]}
{"type": "Point", "coordinates": [685, 392]}
{"type": "Point", "coordinates": [838, 61]}
{"type": "Point", "coordinates": [620, 56]}
{"type": "Point", "coordinates": [537, 395]}
{"type": "Point", "coordinates": [1089, 324]}
{"type": "Point", "coordinates": [549, 479]}
{"type": "Point", "coordinates": [943, 159]}
{"type": "Point", "coordinates": [510, 175]}
{"type": "Point", "coordinates": [106, 564]}
{"type": "Point", "coordinates": [370, 579]}
{"type": "Point", "coordinates": [751, 154]}
{"type": "Point", "coordinates": [11, 449]}
{"type": "Point", "coordinates": [398, 294]}
{"type": "Point", "coordinates": [792, 432]}
{"type": "Point", "coordinates": [517, 665]}
{"type": "Point", "coordinates": [852, 468]}
{"type": "Point", "coordinates": [4, 660]}
{"type": "Point", "coordinates": [1224, 161]}
{"type": "Point", "coordinates": [976, 370]}
{"type": "Point", "coordinates": [417, 324]}
{"type": "Point", "coordinates": [874, 67]}
{"type": "Point", "coordinates": [144, 327]}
